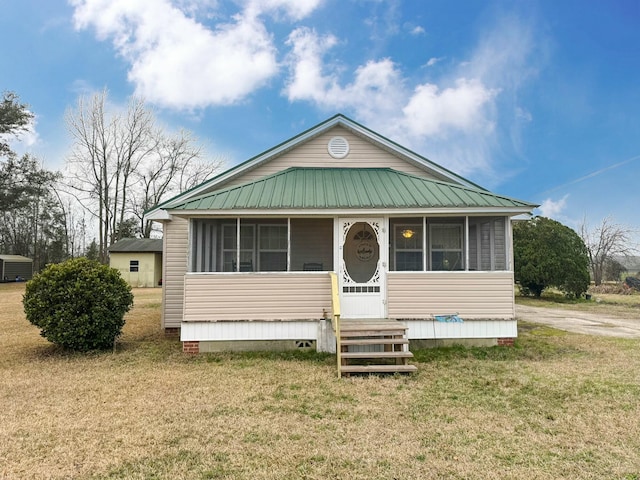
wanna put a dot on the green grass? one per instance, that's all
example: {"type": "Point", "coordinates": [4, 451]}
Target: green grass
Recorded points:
{"type": "Point", "coordinates": [557, 405]}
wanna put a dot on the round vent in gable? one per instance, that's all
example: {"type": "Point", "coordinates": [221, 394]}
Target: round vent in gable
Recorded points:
{"type": "Point", "coordinates": [338, 147]}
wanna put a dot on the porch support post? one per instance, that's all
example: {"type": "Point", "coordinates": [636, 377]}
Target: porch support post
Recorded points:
{"type": "Point", "coordinates": [425, 256]}
{"type": "Point", "coordinates": [466, 243]}
{"type": "Point", "coordinates": [237, 244]}
{"type": "Point", "coordinates": [288, 244]}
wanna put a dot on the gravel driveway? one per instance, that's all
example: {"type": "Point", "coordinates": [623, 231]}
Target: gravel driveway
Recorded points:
{"type": "Point", "coordinates": [581, 322]}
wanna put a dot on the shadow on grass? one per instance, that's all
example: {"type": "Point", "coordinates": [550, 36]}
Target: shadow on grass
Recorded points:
{"type": "Point", "coordinates": [307, 356]}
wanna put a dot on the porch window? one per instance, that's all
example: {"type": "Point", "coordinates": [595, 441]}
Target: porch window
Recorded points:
{"type": "Point", "coordinates": [311, 244]}
{"type": "Point", "coordinates": [262, 246]}
{"type": "Point", "coordinates": [407, 244]}
{"type": "Point", "coordinates": [446, 245]}
{"type": "Point", "coordinates": [272, 251]}
{"type": "Point", "coordinates": [230, 246]}
{"type": "Point", "coordinates": [488, 243]}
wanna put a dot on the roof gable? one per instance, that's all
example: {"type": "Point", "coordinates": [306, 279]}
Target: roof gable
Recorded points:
{"type": "Point", "coordinates": [338, 120]}
{"type": "Point", "coordinates": [347, 188]}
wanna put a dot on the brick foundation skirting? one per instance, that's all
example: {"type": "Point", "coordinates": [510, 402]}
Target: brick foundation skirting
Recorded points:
{"type": "Point", "coordinates": [172, 332]}
{"type": "Point", "coordinates": [192, 348]}
{"type": "Point", "coordinates": [506, 341]}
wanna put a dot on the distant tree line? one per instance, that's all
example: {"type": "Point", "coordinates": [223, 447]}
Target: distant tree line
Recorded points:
{"type": "Point", "coordinates": [121, 163]}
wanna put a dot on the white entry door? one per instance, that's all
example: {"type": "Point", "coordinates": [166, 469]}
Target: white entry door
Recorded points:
{"type": "Point", "coordinates": [362, 259]}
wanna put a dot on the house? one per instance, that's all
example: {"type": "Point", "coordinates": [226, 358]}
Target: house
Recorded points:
{"type": "Point", "coordinates": [139, 261]}
{"type": "Point", "coordinates": [15, 268]}
{"type": "Point", "coordinates": [248, 254]}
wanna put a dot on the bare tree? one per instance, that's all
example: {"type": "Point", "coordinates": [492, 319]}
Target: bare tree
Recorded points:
{"type": "Point", "coordinates": [178, 165]}
{"type": "Point", "coordinates": [122, 164]}
{"type": "Point", "coordinates": [108, 148]}
{"type": "Point", "coordinates": [604, 242]}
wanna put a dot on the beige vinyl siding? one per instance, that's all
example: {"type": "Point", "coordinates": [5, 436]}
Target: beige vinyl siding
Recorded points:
{"type": "Point", "coordinates": [362, 154]}
{"type": "Point", "coordinates": [148, 272]}
{"type": "Point", "coordinates": [176, 251]}
{"type": "Point", "coordinates": [472, 295]}
{"type": "Point", "coordinates": [259, 296]}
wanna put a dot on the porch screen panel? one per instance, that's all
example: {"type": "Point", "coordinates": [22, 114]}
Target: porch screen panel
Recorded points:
{"type": "Point", "coordinates": [406, 246]}
{"type": "Point", "coordinates": [272, 248]}
{"type": "Point", "coordinates": [487, 243]}
{"type": "Point", "coordinates": [446, 244]}
{"type": "Point", "coordinates": [203, 245]}
{"type": "Point", "coordinates": [311, 244]}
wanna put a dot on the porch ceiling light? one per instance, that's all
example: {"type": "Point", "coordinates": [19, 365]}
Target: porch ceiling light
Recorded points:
{"type": "Point", "coordinates": [407, 233]}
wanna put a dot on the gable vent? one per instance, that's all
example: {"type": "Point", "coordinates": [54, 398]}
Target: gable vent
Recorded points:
{"type": "Point", "coordinates": [338, 147]}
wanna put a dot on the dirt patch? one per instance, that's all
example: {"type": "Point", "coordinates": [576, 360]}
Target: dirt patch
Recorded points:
{"type": "Point", "coordinates": [581, 322]}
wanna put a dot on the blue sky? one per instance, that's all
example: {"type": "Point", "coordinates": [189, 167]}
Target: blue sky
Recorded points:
{"type": "Point", "coordinates": [537, 100]}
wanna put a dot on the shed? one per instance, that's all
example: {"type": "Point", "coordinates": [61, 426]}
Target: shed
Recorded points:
{"type": "Point", "coordinates": [139, 260]}
{"type": "Point", "coordinates": [15, 268]}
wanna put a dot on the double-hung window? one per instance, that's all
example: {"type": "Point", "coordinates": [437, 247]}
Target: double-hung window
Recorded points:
{"type": "Point", "coordinates": [230, 248]}
{"type": "Point", "coordinates": [273, 244]}
{"type": "Point", "coordinates": [407, 242]}
{"type": "Point", "coordinates": [446, 246]}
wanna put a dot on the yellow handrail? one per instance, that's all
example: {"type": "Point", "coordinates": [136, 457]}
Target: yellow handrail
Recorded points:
{"type": "Point", "coordinates": [335, 318]}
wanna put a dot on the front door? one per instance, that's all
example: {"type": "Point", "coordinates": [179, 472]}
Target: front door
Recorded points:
{"type": "Point", "coordinates": [362, 260]}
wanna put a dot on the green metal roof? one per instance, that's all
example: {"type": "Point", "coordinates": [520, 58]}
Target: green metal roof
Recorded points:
{"type": "Point", "coordinates": [347, 188]}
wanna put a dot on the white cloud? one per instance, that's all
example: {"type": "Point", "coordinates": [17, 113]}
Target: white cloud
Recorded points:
{"type": "Point", "coordinates": [433, 60]}
{"type": "Point", "coordinates": [524, 115]}
{"type": "Point", "coordinates": [418, 30]}
{"type": "Point", "coordinates": [553, 208]}
{"type": "Point", "coordinates": [295, 9]}
{"type": "Point", "coordinates": [428, 115]}
{"type": "Point", "coordinates": [431, 111]}
{"type": "Point", "coordinates": [177, 62]}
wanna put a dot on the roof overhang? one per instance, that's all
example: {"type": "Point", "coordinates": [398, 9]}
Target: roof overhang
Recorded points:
{"type": "Point", "coordinates": [450, 212]}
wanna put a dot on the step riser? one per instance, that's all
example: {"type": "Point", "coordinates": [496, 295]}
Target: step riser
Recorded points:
{"type": "Point", "coordinates": [375, 341]}
{"type": "Point", "coordinates": [372, 333]}
{"type": "Point", "coordinates": [379, 369]}
{"type": "Point", "coordinates": [380, 355]}
{"type": "Point", "coordinates": [388, 335]}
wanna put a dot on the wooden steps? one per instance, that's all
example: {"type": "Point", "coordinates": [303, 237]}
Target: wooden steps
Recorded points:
{"type": "Point", "coordinates": [375, 346]}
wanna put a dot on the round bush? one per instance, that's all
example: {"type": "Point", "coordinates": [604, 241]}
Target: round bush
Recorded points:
{"type": "Point", "coordinates": [78, 304]}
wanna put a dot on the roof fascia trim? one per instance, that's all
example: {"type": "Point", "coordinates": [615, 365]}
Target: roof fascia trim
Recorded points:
{"type": "Point", "coordinates": [473, 211]}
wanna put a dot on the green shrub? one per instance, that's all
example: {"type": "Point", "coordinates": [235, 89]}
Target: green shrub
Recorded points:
{"type": "Point", "coordinates": [78, 304]}
{"type": "Point", "coordinates": [549, 254]}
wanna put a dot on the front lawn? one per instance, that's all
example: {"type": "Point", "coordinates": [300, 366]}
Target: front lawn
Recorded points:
{"type": "Point", "coordinates": [557, 405]}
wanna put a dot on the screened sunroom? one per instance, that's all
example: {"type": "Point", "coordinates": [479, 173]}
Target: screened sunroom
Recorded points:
{"type": "Point", "coordinates": [265, 244]}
